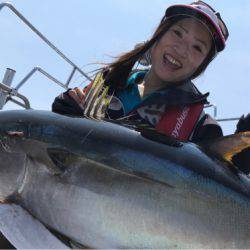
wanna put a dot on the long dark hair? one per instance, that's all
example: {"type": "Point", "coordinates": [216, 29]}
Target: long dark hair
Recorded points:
{"type": "Point", "coordinates": [120, 69]}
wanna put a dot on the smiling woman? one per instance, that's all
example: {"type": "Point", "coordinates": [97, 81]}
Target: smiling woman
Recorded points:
{"type": "Point", "coordinates": [180, 51]}
{"type": "Point", "coordinates": [162, 97]}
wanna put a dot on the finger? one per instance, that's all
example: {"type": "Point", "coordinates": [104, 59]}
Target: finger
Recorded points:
{"type": "Point", "coordinates": [80, 93]}
{"type": "Point", "coordinates": [73, 94]}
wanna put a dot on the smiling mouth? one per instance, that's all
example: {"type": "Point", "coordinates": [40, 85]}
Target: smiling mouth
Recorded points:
{"type": "Point", "coordinates": [171, 61]}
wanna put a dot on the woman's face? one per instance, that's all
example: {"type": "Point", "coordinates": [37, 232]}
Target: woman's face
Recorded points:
{"type": "Point", "coordinates": [180, 51]}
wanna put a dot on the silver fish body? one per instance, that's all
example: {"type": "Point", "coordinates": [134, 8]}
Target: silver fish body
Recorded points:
{"type": "Point", "coordinates": [106, 186]}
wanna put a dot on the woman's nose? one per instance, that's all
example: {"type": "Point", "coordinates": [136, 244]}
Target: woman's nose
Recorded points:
{"type": "Point", "coordinates": [181, 49]}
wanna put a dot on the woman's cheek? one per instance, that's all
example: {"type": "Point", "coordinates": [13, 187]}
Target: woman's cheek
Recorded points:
{"type": "Point", "coordinates": [197, 61]}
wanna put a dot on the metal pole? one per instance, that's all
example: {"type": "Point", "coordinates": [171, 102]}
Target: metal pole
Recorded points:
{"type": "Point", "coordinates": [13, 92]}
{"type": "Point", "coordinates": [70, 77]}
{"type": "Point", "coordinates": [228, 119]}
{"type": "Point", "coordinates": [11, 7]}
{"type": "Point", "coordinates": [214, 107]}
{"type": "Point", "coordinates": [18, 103]}
{"type": "Point", "coordinates": [33, 71]}
{"type": "Point", "coordinates": [7, 80]}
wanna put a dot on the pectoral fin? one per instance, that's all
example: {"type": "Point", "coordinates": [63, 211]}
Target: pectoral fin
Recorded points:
{"type": "Point", "coordinates": [55, 159]}
{"type": "Point", "coordinates": [38, 151]}
{"type": "Point", "coordinates": [61, 158]}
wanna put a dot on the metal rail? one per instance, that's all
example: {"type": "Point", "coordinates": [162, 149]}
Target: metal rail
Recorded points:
{"type": "Point", "coordinates": [7, 80]}
{"type": "Point", "coordinates": [39, 69]}
{"type": "Point", "coordinates": [228, 119]}
{"type": "Point", "coordinates": [12, 92]}
{"type": "Point", "coordinates": [52, 46]}
{"type": "Point", "coordinates": [214, 107]}
{"type": "Point", "coordinates": [215, 114]}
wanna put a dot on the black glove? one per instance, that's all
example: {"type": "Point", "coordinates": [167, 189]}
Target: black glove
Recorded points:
{"type": "Point", "coordinates": [242, 159]}
{"type": "Point", "coordinates": [65, 105]}
{"type": "Point", "coordinates": [244, 124]}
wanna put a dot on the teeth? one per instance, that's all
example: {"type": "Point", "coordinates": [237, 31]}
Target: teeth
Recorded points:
{"type": "Point", "coordinates": [172, 60]}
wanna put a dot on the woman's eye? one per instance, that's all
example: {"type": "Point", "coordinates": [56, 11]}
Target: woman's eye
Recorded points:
{"type": "Point", "coordinates": [198, 48]}
{"type": "Point", "coordinates": [178, 33]}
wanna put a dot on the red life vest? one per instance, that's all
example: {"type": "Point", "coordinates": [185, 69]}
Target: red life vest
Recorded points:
{"type": "Point", "coordinates": [179, 122]}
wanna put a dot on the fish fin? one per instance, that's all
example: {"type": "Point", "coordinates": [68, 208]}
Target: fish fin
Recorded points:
{"type": "Point", "coordinates": [61, 157]}
{"type": "Point", "coordinates": [98, 109]}
{"type": "Point", "coordinates": [38, 151]}
{"type": "Point", "coordinates": [23, 231]}
{"type": "Point", "coordinates": [93, 94]}
{"type": "Point", "coordinates": [97, 99]}
{"type": "Point", "coordinates": [93, 86]}
{"type": "Point", "coordinates": [228, 146]}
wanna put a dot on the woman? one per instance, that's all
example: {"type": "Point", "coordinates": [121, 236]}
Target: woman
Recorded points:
{"type": "Point", "coordinates": [162, 98]}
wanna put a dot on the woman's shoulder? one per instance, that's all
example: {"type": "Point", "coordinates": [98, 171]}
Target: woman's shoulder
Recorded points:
{"type": "Point", "coordinates": [207, 128]}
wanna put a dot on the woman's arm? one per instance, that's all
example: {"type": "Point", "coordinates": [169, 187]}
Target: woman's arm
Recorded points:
{"type": "Point", "coordinates": [206, 129]}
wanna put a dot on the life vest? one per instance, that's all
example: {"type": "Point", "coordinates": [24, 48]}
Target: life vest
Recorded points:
{"type": "Point", "coordinates": [179, 122]}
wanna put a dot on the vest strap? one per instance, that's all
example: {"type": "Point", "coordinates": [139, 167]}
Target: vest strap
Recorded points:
{"type": "Point", "coordinates": [179, 122]}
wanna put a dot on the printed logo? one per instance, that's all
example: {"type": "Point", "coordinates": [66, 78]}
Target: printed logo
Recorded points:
{"type": "Point", "coordinates": [180, 120]}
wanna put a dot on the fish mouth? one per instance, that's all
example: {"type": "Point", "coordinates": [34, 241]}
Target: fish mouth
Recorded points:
{"type": "Point", "coordinates": [172, 62]}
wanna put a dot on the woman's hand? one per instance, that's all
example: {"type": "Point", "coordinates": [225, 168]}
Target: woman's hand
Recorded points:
{"type": "Point", "coordinates": [70, 102]}
{"type": "Point", "coordinates": [78, 95]}
{"type": "Point", "coordinates": [242, 159]}
{"type": "Point", "coordinates": [243, 124]}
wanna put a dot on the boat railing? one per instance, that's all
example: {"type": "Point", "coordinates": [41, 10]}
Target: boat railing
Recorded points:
{"type": "Point", "coordinates": [215, 109]}
{"type": "Point", "coordinates": [45, 39]}
{"type": "Point", "coordinates": [7, 92]}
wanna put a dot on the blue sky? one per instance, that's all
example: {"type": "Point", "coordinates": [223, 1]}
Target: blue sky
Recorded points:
{"type": "Point", "coordinates": [92, 31]}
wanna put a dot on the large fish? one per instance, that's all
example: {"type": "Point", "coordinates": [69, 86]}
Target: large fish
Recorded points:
{"type": "Point", "coordinates": [107, 186]}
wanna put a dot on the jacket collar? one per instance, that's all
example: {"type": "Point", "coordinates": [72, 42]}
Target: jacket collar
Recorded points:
{"type": "Point", "coordinates": [182, 94]}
